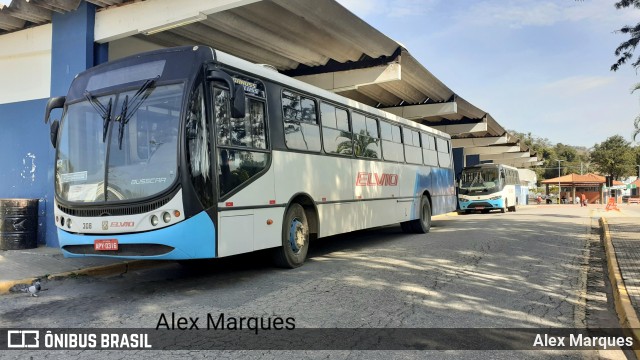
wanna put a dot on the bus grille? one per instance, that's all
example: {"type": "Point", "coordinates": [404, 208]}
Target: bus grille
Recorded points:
{"type": "Point", "coordinates": [123, 250]}
{"type": "Point", "coordinates": [114, 211]}
{"type": "Point", "coordinates": [479, 205]}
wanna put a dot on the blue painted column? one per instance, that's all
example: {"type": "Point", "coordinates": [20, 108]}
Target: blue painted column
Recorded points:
{"type": "Point", "coordinates": [72, 51]}
{"type": "Point", "coordinates": [458, 160]}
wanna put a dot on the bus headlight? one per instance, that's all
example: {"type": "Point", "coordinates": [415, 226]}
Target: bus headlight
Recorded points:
{"type": "Point", "coordinates": [495, 198]}
{"type": "Point", "coordinates": [166, 217]}
{"type": "Point", "coordinates": [464, 200]}
{"type": "Point", "coordinates": [154, 220]}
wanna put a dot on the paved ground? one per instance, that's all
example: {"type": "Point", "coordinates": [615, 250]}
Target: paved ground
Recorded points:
{"type": "Point", "coordinates": [525, 269]}
{"type": "Point", "coordinates": [624, 226]}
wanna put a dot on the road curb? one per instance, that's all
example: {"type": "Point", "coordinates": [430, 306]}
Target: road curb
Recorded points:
{"type": "Point", "coordinates": [103, 270]}
{"type": "Point", "coordinates": [626, 314]}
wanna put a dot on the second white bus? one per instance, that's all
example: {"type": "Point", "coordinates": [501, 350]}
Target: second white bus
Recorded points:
{"type": "Point", "coordinates": [488, 187]}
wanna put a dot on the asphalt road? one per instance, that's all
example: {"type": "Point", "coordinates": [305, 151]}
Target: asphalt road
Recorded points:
{"type": "Point", "coordinates": [515, 270]}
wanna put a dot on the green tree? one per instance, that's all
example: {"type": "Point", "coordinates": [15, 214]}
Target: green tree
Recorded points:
{"type": "Point", "coordinates": [636, 122]}
{"type": "Point", "coordinates": [625, 50]}
{"type": "Point", "coordinates": [614, 157]}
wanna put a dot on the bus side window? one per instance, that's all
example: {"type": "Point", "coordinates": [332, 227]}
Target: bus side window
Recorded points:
{"type": "Point", "coordinates": [372, 147]}
{"type": "Point", "coordinates": [336, 136]}
{"type": "Point", "coordinates": [366, 141]}
{"type": "Point", "coordinates": [391, 142]}
{"type": "Point", "coordinates": [444, 159]}
{"type": "Point", "coordinates": [429, 153]}
{"type": "Point", "coordinates": [412, 151]}
{"type": "Point", "coordinates": [301, 129]}
{"type": "Point", "coordinates": [237, 166]}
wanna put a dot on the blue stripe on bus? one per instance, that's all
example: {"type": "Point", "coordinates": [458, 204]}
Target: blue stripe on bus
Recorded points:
{"type": "Point", "coordinates": [193, 238]}
{"type": "Point", "coordinates": [438, 182]}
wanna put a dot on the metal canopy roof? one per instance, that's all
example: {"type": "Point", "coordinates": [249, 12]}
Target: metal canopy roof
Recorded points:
{"type": "Point", "coordinates": [21, 14]}
{"type": "Point", "coordinates": [320, 42]}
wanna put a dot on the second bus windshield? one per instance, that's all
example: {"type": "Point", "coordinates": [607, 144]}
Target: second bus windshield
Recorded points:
{"type": "Point", "coordinates": [480, 181]}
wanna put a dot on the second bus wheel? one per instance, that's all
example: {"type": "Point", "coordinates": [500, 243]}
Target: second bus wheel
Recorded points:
{"type": "Point", "coordinates": [295, 238]}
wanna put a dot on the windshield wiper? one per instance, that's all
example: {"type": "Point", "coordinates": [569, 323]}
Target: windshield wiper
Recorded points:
{"type": "Point", "coordinates": [103, 111]}
{"type": "Point", "coordinates": [137, 99]}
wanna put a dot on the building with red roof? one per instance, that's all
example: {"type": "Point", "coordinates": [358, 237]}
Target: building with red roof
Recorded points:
{"type": "Point", "coordinates": [591, 185]}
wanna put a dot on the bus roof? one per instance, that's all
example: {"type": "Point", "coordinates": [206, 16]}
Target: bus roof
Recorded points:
{"type": "Point", "coordinates": [267, 73]}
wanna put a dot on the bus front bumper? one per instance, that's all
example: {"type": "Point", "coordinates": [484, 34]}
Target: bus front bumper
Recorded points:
{"type": "Point", "coordinates": [193, 238]}
{"type": "Point", "coordinates": [481, 204]}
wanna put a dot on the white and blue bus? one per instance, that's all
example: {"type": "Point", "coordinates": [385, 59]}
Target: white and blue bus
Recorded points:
{"type": "Point", "coordinates": [488, 187]}
{"type": "Point", "coordinates": [189, 153]}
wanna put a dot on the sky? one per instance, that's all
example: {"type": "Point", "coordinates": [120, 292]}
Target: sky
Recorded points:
{"type": "Point", "coordinates": [538, 66]}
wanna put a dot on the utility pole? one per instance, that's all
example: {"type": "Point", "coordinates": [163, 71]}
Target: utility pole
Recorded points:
{"type": "Point", "coordinates": [559, 188]}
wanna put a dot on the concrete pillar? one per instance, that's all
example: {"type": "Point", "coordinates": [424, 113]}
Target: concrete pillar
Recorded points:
{"type": "Point", "coordinates": [72, 49]}
{"type": "Point", "coordinates": [458, 160]}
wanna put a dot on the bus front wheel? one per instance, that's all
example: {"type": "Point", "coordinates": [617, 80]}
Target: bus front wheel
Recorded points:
{"type": "Point", "coordinates": [295, 238]}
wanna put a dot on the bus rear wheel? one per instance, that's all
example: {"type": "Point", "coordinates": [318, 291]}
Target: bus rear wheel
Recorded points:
{"type": "Point", "coordinates": [295, 238]}
{"type": "Point", "coordinates": [422, 225]}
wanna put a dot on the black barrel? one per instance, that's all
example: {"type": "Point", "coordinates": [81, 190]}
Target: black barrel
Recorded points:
{"type": "Point", "coordinates": [18, 224]}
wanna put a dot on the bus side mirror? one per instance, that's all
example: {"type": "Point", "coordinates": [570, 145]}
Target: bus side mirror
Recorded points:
{"type": "Point", "coordinates": [53, 103]}
{"type": "Point", "coordinates": [238, 109]}
{"type": "Point", "coordinates": [55, 125]}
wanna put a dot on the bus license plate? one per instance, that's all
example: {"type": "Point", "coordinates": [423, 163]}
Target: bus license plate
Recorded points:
{"type": "Point", "coordinates": [105, 245]}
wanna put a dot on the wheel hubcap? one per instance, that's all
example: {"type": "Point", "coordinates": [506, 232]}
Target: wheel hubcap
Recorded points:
{"type": "Point", "coordinates": [296, 235]}
{"type": "Point", "coordinates": [425, 215]}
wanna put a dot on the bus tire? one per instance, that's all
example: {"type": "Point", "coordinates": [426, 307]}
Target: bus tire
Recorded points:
{"type": "Point", "coordinates": [295, 238]}
{"type": "Point", "coordinates": [513, 208]}
{"type": "Point", "coordinates": [506, 206]}
{"type": "Point", "coordinates": [422, 225]}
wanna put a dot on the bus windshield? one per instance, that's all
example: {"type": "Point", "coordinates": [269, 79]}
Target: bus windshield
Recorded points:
{"type": "Point", "coordinates": [118, 146]}
{"type": "Point", "coordinates": [480, 181]}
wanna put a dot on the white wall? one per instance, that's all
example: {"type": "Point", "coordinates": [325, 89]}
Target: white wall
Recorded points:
{"type": "Point", "coordinates": [25, 65]}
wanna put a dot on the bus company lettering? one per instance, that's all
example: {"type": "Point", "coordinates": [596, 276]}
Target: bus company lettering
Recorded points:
{"type": "Point", "coordinates": [121, 224]}
{"type": "Point", "coordinates": [148, 181]}
{"type": "Point", "coordinates": [375, 179]}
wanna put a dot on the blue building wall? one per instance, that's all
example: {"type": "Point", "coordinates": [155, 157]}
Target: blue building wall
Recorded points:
{"type": "Point", "coordinates": [27, 160]}
{"type": "Point", "coordinates": [27, 157]}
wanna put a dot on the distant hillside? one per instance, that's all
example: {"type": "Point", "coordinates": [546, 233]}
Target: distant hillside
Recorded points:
{"type": "Point", "coordinates": [575, 159]}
